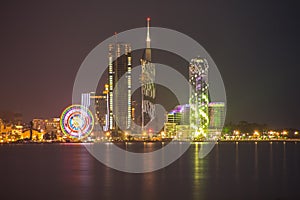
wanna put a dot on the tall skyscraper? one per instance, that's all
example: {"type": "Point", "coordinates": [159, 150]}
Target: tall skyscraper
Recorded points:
{"type": "Point", "coordinates": [198, 78]}
{"type": "Point", "coordinates": [119, 94]}
{"type": "Point", "coordinates": [147, 81]}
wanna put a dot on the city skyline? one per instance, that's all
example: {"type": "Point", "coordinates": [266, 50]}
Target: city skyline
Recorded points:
{"type": "Point", "coordinates": [249, 69]}
{"type": "Point", "coordinates": [149, 100]}
{"type": "Point", "coordinates": [200, 119]}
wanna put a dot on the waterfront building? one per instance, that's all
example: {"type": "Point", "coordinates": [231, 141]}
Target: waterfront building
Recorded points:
{"type": "Point", "coordinates": [99, 103]}
{"type": "Point", "coordinates": [119, 89]}
{"type": "Point", "coordinates": [52, 125]}
{"type": "Point", "coordinates": [177, 122]}
{"type": "Point", "coordinates": [49, 126]}
{"type": "Point", "coordinates": [216, 112]}
{"type": "Point", "coordinates": [179, 115]}
{"type": "Point", "coordinates": [174, 117]}
{"type": "Point", "coordinates": [39, 124]}
{"type": "Point", "coordinates": [216, 115]}
{"type": "Point", "coordinates": [198, 78]}
{"type": "Point", "coordinates": [169, 129]}
{"type": "Point", "coordinates": [101, 108]}
{"type": "Point", "coordinates": [36, 135]}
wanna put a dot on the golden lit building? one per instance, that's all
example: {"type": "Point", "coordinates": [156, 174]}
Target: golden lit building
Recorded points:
{"type": "Point", "coordinates": [36, 135]}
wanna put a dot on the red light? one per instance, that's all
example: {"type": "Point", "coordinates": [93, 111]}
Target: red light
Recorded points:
{"type": "Point", "coordinates": [148, 18]}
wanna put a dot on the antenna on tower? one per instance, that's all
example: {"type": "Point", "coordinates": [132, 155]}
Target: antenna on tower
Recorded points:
{"type": "Point", "coordinates": [148, 33]}
{"type": "Point", "coordinates": [148, 40]}
{"type": "Point", "coordinates": [116, 37]}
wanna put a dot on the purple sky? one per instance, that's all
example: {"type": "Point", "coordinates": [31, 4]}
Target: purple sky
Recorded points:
{"type": "Point", "coordinates": [255, 45]}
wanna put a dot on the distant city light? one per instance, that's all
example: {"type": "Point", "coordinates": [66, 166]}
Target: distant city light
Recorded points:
{"type": "Point", "coordinates": [107, 134]}
{"type": "Point", "coordinates": [284, 133]}
{"type": "Point", "coordinates": [256, 133]}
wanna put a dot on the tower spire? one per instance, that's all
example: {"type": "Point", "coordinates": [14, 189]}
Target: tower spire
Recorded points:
{"type": "Point", "coordinates": [148, 33]}
{"type": "Point", "coordinates": [148, 48]}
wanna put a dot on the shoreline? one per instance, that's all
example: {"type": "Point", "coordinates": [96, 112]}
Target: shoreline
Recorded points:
{"type": "Point", "coordinates": [118, 142]}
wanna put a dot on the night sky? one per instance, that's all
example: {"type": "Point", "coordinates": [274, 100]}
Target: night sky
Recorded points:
{"type": "Point", "coordinates": [255, 45]}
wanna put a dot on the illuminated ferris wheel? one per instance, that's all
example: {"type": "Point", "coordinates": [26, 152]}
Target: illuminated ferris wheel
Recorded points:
{"type": "Point", "coordinates": [77, 121]}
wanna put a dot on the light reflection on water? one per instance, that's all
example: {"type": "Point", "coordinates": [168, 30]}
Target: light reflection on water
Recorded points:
{"type": "Point", "coordinates": [271, 159]}
{"type": "Point", "coordinates": [269, 170]}
{"type": "Point", "coordinates": [199, 172]}
{"type": "Point", "coordinates": [237, 162]}
{"type": "Point", "coordinates": [255, 161]}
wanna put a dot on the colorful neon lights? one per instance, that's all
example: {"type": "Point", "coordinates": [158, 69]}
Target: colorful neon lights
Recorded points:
{"type": "Point", "coordinates": [77, 121]}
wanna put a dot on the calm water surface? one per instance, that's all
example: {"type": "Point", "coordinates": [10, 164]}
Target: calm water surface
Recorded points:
{"type": "Point", "coordinates": [231, 171]}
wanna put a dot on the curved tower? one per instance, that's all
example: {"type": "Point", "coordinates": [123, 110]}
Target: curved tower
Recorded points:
{"type": "Point", "coordinates": [198, 78]}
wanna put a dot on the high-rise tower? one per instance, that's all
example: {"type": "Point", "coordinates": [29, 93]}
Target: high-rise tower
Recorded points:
{"type": "Point", "coordinates": [147, 82]}
{"type": "Point", "coordinates": [198, 78]}
{"type": "Point", "coordinates": [119, 88]}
